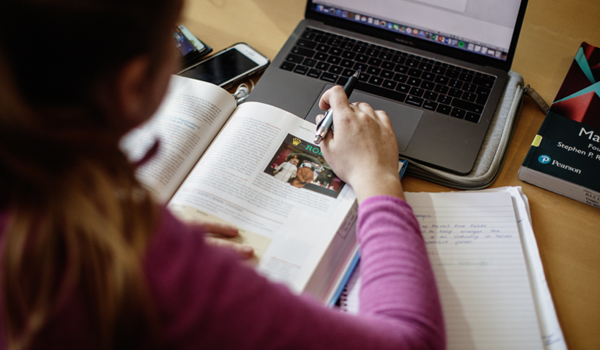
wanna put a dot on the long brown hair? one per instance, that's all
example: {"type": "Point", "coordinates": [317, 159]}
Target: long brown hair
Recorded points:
{"type": "Point", "coordinates": [78, 221]}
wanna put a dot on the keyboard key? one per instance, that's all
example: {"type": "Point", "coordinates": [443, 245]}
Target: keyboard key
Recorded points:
{"type": "Point", "coordinates": [413, 72]}
{"type": "Point", "coordinates": [469, 87]}
{"type": "Point", "coordinates": [348, 72]}
{"type": "Point", "coordinates": [386, 55]}
{"type": "Point", "coordinates": [388, 74]}
{"type": "Point", "coordinates": [455, 92]}
{"type": "Point", "coordinates": [362, 58]}
{"type": "Point", "coordinates": [306, 44]}
{"type": "Point", "coordinates": [362, 66]}
{"type": "Point", "coordinates": [294, 58]}
{"type": "Point", "coordinates": [323, 66]}
{"type": "Point", "coordinates": [455, 83]}
{"type": "Point", "coordinates": [429, 85]}
{"type": "Point", "coordinates": [467, 77]}
{"type": "Point", "coordinates": [482, 95]}
{"type": "Point", "coordinates": [412, 63]}
{"type": "Point", "coordinates": [334, 42]}
{"type": "Point", "coordinates": [374, 70]}
{"type": "Point", "coordinates": [444, 109]}
{"type": "Point", "coordinates": [452, 73]}
{"type": "Point", "coordinates": [302, 51]}
{"type": "Point", "coordinates": [347, 63]}
{"type": "Point", "coordinates": [428, 76]}
{"type": "Point", "coordinates": [440, 79]}
{"type": "Point", "coordinates": [469, 96]}
{"type": "Point", "coordinates": [441, 89]}
{"type": "Point", "coordinates": [483, 91]}
{"type": "Point", "coordinates": [439, 70]}
{"type": "Point", "coordinates": [376, 62]}
{"type": "Point", "coordinates": [287, 66]}
{"type": "Point", "coordinates": [388, 65]}
{"type": "Point", "coordinates": [334, 60]}
{"type": "Point", "coordinates": [359, 48]}
{"type": "Point", "coordinates": [349, 55]}
{"type": "Point", "coordinates": [363, 77]}
{"type": "Point", "coordinates": [430, 95]}
{"type": "Point", "coordinates": [472, 117]}
{"type": "Point", "coordinates": [415, 101]}
{"type": "Point", "coordinates": [322, 48]}
{"type": "Point", "coordinates": [332, 78]}
{"type": "Point", "coordinates": [309, 62]}
{"type": "Point", "coordinates": [308, 34]}
{"type": "Point", "coordinates": [401, 69]}
{"type": "Point", "coordinates": [400, 78]}
{"type": "Point", "coordinates": [314, 73]}
{"type": "Point", "coordinates": [416, 91]}
{"type": "Point", "coordinates": [301, 69]}
{"type": "Point", "coordinates": [335, 51]}
{"type": "Point", "coordinates": [346, 45]}
{"type": "Point", "coordinates": [425, 66]}
{"type": "Point", "coordinates": [336, 70]}
{"type": "Point", "coordinates": [399, 59]}
{"type": "Point", "coordinates": [375, 80]}
{"type": "Point", "coordinates": [445, 99]}
{"type": "Point", "coordinates": [430, 105]}
{"type": "Point", "coordinates": [458, 113]}
{"type": "Point", "coordinates": [486, 83]}
{"type": "Point", "coordinates": [403, 88]}
{"type": "Point", "coordinates": [414, 81]}
{"type": "Point", "coordinates": [373, 52]}
{"type": "Point", "coordinates": [321, 38]}
{"type": "Point", "coordinates": [389, 84]}
{"type": "Point", "coordinates": [471, 107]}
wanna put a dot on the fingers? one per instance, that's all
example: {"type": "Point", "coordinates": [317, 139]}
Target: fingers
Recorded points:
{"type": "Point", "coordinates": [319, 117]}
{"type": "Point", "coordinates": [243, 251]}
{"type": "Point", "coordinates": [334, 98]}
{"type": "Point", "coordinates": [218, 228]}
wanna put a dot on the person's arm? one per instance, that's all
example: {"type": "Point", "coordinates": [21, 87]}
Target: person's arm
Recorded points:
{"type": "Point", "coordinates": [204, 296]}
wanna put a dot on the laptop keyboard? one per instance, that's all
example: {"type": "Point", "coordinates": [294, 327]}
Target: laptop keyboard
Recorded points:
{"type": "Point", "coordinates": [407, 78]}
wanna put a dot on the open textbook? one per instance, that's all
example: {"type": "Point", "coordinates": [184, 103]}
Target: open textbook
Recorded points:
{"type": "Point", "coordinates": [488, 270]}
{"type": "Point", "coordinates": [252, 167]}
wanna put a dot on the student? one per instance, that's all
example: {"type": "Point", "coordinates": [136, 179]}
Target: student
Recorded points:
{"type": "Point", "coordinates": [88, 260]}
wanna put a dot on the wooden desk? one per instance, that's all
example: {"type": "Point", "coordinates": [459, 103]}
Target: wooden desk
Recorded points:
{"type": "Point", "coordinates": [567, 232]}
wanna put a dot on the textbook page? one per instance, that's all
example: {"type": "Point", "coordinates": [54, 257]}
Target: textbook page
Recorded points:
{"type": "Point", "coordinates": [264, 175]}
{"type": "Point", "coordinates": [189, 118]}
{"type": "Point", "coordinates": [474, 246]}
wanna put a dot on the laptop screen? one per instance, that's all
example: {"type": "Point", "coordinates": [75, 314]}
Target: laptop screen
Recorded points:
{"type": "Point", "coordinates": [483, 27]}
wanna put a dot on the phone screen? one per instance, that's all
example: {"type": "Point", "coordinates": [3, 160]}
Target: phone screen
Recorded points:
{"type": "Point", "coordinates": [185, 41]}
{"type": "Point", "coordinates": [221, 68]}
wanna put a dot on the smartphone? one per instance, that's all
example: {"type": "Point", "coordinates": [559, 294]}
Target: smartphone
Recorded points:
{"type": "Point", "coordinates": [229, 66]}
{"type": "Point", "coordinates": [189, 46]}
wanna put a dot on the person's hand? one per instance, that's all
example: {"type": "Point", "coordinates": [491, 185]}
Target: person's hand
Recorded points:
{"type": "Point", "coordinates": [215, 234]}
{"type": "Point", "coordinates": [363, 151]}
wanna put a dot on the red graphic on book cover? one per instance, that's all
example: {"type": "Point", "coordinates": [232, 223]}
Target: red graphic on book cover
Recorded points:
{"type": "Point", "coordinates": [584, 105]}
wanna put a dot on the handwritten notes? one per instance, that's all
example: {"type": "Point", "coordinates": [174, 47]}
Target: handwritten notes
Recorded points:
{"type": "Point", "coordinates": [474, 246]}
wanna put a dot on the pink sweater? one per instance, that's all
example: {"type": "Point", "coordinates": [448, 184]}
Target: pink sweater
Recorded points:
{"type": "Point", "coordinates": [206, 299]}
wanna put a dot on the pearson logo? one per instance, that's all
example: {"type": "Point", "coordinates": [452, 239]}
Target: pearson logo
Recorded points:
{"type": "Point", "coordinates": [544, 159]}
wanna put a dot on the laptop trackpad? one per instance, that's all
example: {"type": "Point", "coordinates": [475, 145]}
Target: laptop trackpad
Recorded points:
{"type": "Point", "coordinates": [404, 118]}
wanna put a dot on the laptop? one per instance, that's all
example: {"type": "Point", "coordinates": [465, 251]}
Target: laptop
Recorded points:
{"type": "Point", "coordinates": [437, 67]}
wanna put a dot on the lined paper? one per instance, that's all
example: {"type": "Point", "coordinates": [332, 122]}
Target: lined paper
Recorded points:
{"type": "Point", "coordinates": [474, 246]}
